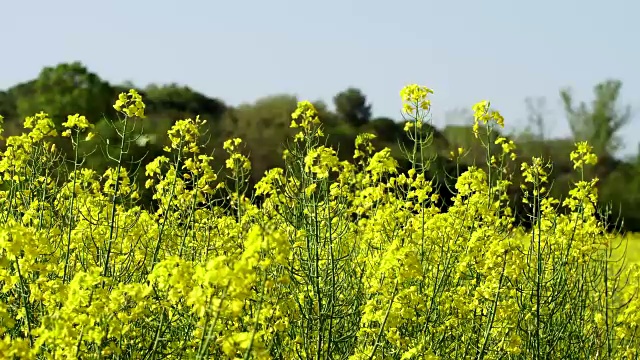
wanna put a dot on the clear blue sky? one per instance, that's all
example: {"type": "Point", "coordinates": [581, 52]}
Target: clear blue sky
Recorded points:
{"type": "Point", "coordinates": [501, 50]}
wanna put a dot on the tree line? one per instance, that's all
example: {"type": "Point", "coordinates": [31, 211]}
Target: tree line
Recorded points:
{"type": "Point", "coordinates": [70, 88]}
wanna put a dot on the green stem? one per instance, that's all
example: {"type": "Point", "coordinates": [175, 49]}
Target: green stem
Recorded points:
{"type": "Point", "coordinates": [114, 198]}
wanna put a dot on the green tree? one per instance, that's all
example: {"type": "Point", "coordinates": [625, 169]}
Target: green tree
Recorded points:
{"type": "Point", "coordinates": [182, 102]}
{"type": "Point", "coordinates": [67, 89]}
{"type": "Point", "coordinates": [264, 128]}
{"type": "Point", "coordinates": [600, 123]}
{"type": "Point", "coordinates": [620, 191]}
{"type": "Point", "coordinates": [7, 104]}
{"type": "Point", "coordinates": [387, 130]}
{"type": "Point", "coordinates": [351, 104]}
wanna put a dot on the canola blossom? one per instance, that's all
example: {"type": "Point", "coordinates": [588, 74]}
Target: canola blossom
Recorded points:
{"type": "Point", "coordinates": [324, 259]}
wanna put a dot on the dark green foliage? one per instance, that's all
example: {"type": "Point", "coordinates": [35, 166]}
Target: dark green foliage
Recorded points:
{"type": "Point", "coordinates": [352, 107]}
{"type": "Point", "coordinates": [63, 90]}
